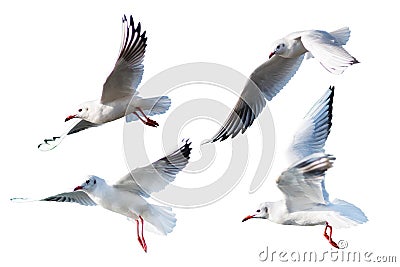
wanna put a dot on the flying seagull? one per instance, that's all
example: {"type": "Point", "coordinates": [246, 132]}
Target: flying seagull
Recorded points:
{"type": "Point", "coordinates": [285, 59]}
{"type": "Point", "coordinates": [119, 96]}
{"type": "Point", "coordinates": [306, 201]}
{"type": "Point", "coordinates": [128, 195]}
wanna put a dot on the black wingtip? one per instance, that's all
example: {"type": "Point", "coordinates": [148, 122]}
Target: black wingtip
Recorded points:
{"type": "Point", "coordinates": [330, 105]}
{"type": "Point", "coordinates": [186, 149]}
{"type": "Point", "coordinates": [355, 61]}
{"type": "Point", "coordinates": [124, 18]}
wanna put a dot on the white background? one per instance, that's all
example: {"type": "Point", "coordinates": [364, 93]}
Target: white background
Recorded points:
{"type": "Point", "coordinates": [55, 56]}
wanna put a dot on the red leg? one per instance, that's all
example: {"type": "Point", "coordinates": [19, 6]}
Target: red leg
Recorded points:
{"type": "Point", "coordinates": [144, 241]}
{"type": "Point", "coordinates": [149, 121]}
{"type": "Point", "coordinates": [330, 235]}
{"type": "Point", "coordinates": [138, 236]}
{"type": "Point", "coordinates": [326, 227]}
{"type": "Point", "coordinates": [140, 118]}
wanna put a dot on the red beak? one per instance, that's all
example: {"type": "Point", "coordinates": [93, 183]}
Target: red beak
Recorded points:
{"type": "Point", "coordinates": [78, 188]}
{"type": "Point", "coordinates": [272, 53]}
{"type": "Point", "coordinates": [248, 217]}
{"type": "Point", "coordinates": [70, 117]}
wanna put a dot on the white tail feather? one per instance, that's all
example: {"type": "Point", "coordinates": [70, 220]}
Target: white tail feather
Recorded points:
{"type": "Point", "coordinates": [345, 214]}
{"type": "Point", "coordinates": [162, 218]}
{"type": "Point", "coordinates": [151, 106]}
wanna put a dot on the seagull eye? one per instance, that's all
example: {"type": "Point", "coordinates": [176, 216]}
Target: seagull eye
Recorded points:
{"type": "Point", "coordinates": [279, 46]}
{"type": "Point", "coordinates": [80, 110]}
{"type": "Point", "coordinates": [87, 181]}
{"type": "Point", "coordinates": [257, 210]}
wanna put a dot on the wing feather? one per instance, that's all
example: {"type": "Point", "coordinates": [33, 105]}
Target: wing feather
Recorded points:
{"type": "Point", "coordinates": [128, 70]}
{"type": "Point", "coordinates": [156, 176]}
{"type": "Point", "coordinates": [312, 135]}
{"type": "Point", "coordinates": [328, 50]}
{"type": "Point", "coordinates": [264, 83]}
{"type": "Point", "coordinates": [79, 197]}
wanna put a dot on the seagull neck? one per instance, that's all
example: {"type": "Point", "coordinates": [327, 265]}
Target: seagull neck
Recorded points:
{"type": "Point", "coordinates": [278, 212]}
{"type": "Point", "coordinates": [101, 191]}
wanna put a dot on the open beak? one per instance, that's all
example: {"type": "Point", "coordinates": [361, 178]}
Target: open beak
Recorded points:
{"type": "Point", "coordinates": [248, 217]}
{"type": "Point", "coordinates": [70, 117]}
{"type": "Point", "coordinates": [272, 54]}
{"type": "Point", "coordinates": [78, 188]}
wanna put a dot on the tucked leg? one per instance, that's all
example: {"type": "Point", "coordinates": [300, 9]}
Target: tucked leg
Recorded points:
{"type": "Point", "coordinates": [149, 121]}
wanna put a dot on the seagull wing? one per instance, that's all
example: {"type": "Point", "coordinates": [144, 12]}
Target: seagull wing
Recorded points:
{"type": "Point", "coordinates": [304, 183]}
{"type": "Point", "coordinates": [79, 197]}
{"type": "Point", "coordinates": [311, 136]}
{"type": "Point", "coordinates": [128, 70]}
{"type": "Point", "coordinates": [328, 50]}
{"type": "Point", "coordinates": [264, 83]}
{"type": "Point", "coordinates": [51, 143]}
{"type": "Point", "coordinates": [156, 176]}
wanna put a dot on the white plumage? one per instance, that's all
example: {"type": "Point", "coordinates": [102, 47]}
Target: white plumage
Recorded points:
{"type": "Point", "coordinates": [306, 201]}
{"type": "Point", "coordinates": [120, 97]}
{"type": "Point", "coordinates": [285, 59]}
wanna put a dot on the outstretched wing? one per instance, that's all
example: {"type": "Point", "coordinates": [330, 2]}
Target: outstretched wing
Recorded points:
{"type": "Point", "coordinates": [128, 70]}
{"type": "Point", "coordinates": [304, 183]}
{"type": "Point", "coordinates": [328, 50]}
{"type": "Point", "coordinates": [265, 82]}
{"type": "Point", "coordinates": [158, 175]}
{"type": "Point", "coordinates": [51, 143]}
{"type": "Point", "coordinates": [79, 197]}
{"type": "Point", "coordinates": [311, 136]}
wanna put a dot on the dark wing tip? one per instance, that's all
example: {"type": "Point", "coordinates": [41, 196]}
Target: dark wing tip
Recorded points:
{"type": "Point", "coordinates": [354, 61]}
{"type": "Point", "coordinates": [330, 106]}
{"type": "Point", "coordinates": [124, 18]}
{"type": "Point", "coordinates": [46, 141]}
{"type": "Point", "coordinates": [186, 149]}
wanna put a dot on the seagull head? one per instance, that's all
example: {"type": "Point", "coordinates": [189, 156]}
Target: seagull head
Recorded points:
{"type": "Point", "coordinates": [279, 48]}
{"type": "Point", "coordinates": [82, 112]}
{"type": "Point", "coordinates": [261, 213]}
{"type": "Point", "coordinates": [90, 184]}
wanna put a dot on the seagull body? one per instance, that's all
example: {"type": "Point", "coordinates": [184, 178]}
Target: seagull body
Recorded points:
{"type": "Point", "coordinates": [128, 195]}
{"type": "Point", "coordinates": [306, 201]}
{"type": "Point", "coordinates": [103, 113]}
{"type": "Point", "coordinates": [285, 59]}
{"type": "Point", "coordinates": [119, 97]}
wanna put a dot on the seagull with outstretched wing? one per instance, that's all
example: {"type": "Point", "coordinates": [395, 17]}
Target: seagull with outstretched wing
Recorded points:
{"type": "Point", "coordinates": [128, 195]}
{"type": "Point", "coordinates": [268, 79]}
{"type": "Point", "coordinates": [120, 97]}
{"type": "Point", "coordinates": [306, 201]}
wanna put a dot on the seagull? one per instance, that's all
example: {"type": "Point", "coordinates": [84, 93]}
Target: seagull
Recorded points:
{"type": "Point", "coordinates": [119, 96]}
{"type": "Point", "coordinates": [306, 202]}
{"type": "Point", "coordinates": [285, 59]}
{"type": "Point", "coordinates": [128, 195]}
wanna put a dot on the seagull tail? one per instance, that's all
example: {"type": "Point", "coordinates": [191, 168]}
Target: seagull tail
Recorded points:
{"type": "Point", "coordinates": [346, 214]}
{"type": "Point", "coordinates": [151, 106]}
{"type": "Point", "coordinates": [161, 217]}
